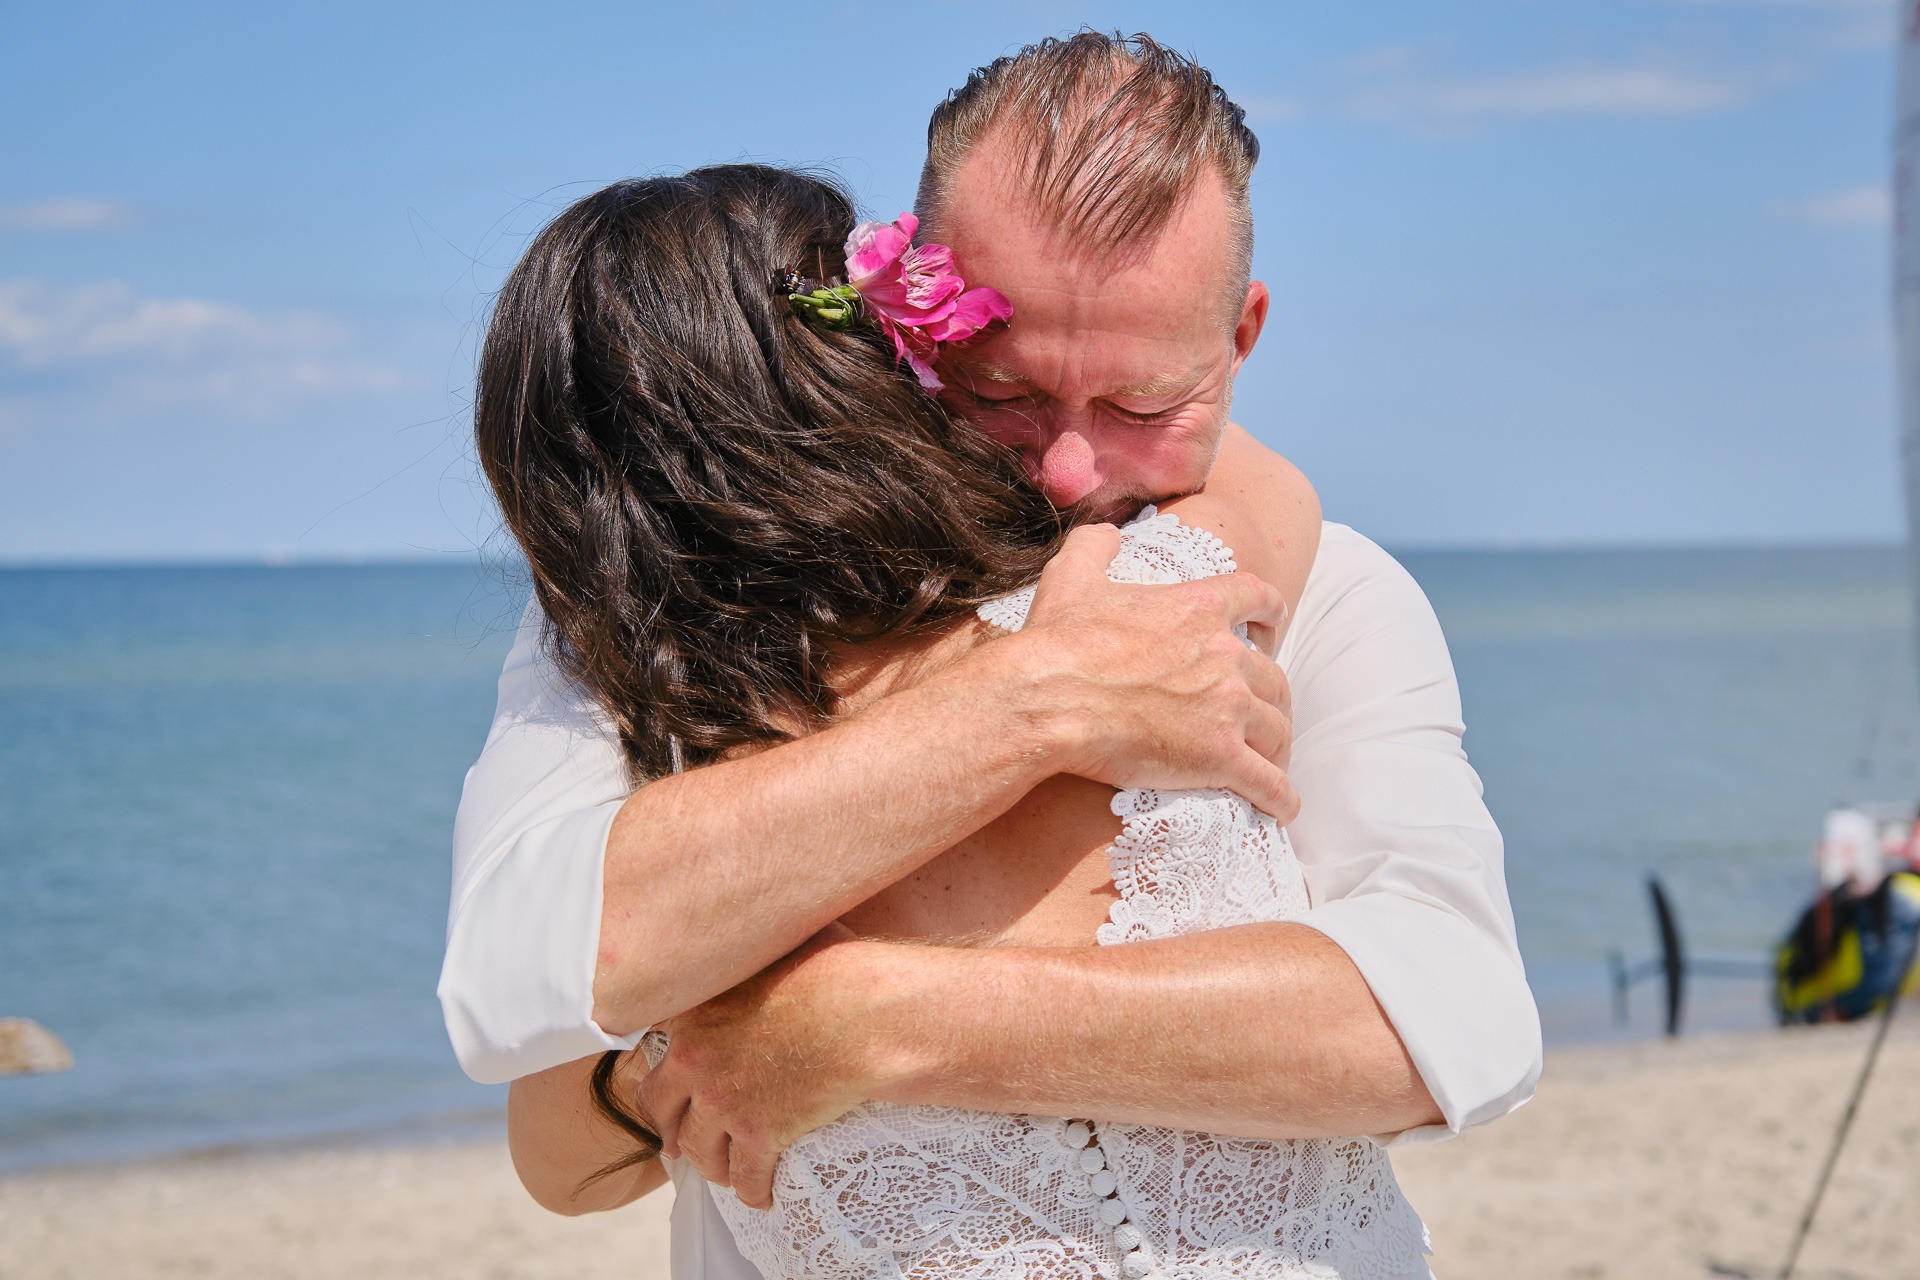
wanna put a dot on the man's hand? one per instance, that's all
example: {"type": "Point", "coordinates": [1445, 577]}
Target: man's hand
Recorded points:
{"type": "Point", "coordinates": [759, 1066]}
{"type": "Point", "coordinates": [1158, 690]}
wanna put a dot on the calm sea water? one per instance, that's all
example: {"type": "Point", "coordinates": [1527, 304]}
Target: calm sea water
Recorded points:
{"type": "Point", "coordinates": [226, 793]}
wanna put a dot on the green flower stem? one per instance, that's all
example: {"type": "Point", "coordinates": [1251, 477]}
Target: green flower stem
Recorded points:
{"type": "Point", "coordinates": [837, 307]}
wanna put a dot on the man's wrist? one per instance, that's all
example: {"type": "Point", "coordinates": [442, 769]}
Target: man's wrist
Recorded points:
{"type": "Point", "coordinates": [1034, 684]}
{"type": "Point", "coordinates": [899, 988]}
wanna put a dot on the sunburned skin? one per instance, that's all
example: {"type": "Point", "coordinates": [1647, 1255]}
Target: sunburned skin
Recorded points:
{"type": "Point", "coordinates": [1068, 466]}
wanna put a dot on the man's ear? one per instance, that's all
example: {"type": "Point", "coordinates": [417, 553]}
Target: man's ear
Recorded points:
{"type": "Point", "coordinates": [1253, 318]}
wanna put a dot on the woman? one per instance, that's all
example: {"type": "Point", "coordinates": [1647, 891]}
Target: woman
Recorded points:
{"type": "Point", "coordinates": [744, 518]}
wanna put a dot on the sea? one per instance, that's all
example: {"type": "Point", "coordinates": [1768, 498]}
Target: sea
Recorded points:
{"type": "Point", "coordinates": [226, 795]}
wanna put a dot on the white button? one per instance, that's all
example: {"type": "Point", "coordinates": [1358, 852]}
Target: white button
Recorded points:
{"type": "Point", "coordinates": [1092, 1161]}
{"type": "Point", "coordinates": [1136, 1264]}
{"type": "Point", "coordinates": [1104, 1182]}
{"type": "Point", "coordinates": [1112, 1212]}
{"type": "Point", "coordinates": [1128, 1236]}
{"type": "Point", "coordinates": [1078, 1134]}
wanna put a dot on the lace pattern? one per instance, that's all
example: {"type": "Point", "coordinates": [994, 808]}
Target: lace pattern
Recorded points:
{"type": "Point", "coordinates": [934, 1193]}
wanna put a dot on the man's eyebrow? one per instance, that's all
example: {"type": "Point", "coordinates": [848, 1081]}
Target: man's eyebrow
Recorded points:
{"type": "Point", "coordinates": [1158, 386]}
{"type": "Point", "coordinates": [994, 373]}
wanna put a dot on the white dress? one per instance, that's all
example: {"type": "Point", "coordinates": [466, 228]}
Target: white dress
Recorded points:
{"type": "Point", "coordinates": [892, 1191]}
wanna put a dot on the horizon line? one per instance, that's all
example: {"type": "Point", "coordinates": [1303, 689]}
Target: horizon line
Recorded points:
{"type": "Point", "coordinates": [278, 558]}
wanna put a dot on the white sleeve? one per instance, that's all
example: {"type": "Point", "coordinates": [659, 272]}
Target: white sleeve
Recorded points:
{"type": "Point", "coordinates": [1403, 862]}
{"type": "Point", "coordinates": [523, 930]}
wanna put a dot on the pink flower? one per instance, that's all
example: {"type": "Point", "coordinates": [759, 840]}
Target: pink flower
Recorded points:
{"type": "Point", "coordinates": [914, 294]}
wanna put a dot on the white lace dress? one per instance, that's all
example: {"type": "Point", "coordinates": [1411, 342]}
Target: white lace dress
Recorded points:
{"type": "Point", "coordinates": [938, 1193]}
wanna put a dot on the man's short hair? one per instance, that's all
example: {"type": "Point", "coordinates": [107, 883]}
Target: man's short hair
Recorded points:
{"type": "Point", "coordinates": [1113, 132]}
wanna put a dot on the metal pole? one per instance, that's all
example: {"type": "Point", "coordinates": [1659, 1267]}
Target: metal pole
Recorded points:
{"type": "Point", "coordinates": [1853, 1105]}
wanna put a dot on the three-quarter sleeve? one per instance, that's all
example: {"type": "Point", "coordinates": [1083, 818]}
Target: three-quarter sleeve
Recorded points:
{"type": "Point", "coordinates": [1404, 864]}
{"type": "Point", "coordinates": [523, 930]}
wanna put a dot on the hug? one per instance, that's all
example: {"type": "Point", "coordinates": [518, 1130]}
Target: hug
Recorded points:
{"type": "Point", "coordinates": [954, 807]}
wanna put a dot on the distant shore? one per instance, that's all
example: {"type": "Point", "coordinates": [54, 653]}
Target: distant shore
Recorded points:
{"type": "Point", "coordinates": [1645, 1160]}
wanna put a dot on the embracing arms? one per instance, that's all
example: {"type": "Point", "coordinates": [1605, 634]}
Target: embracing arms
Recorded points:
{"type": "Point", "coordinates": [1396, 1005]}
{"type": "Point", "coordinates": [709, 876]}
{"type": "Point", "coordinates": [715, 874]}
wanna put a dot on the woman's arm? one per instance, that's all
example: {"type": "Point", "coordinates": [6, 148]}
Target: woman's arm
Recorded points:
{"type": "Point", "coordinates": [559, 1139]}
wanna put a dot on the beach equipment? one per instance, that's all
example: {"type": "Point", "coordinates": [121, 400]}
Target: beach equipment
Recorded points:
{"type": "Point", "coordinates": [27, 1048]}
{"type": "Point", "coordinates": [1673, 963]}
{"type": "Point", "coordinates": [1850, 954]}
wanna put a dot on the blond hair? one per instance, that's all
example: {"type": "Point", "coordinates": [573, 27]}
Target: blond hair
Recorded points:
{"type": "Point", "coordinates": [1111, 134]}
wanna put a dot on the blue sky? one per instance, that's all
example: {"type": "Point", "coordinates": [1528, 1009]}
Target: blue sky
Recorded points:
{"type": "Point", "coordinates": [1544, 271]}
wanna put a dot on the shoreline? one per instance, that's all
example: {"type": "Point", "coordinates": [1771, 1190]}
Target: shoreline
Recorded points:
{"type": "Point", "coordinates": [1574, 1032]}
{"type": "Point", "coordinates": [1641, 1159]}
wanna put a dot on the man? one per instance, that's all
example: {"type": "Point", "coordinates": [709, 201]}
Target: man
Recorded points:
{"type": "Point", "coordinates": [1102, 185]}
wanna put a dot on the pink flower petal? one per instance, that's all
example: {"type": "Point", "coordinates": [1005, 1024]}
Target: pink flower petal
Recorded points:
{"type": "Point", "coordinates": [875, 248]}
{"type": "Point", "coordinates": [974, 312]}
{"type": "Point", "coordinates": [914, 294]}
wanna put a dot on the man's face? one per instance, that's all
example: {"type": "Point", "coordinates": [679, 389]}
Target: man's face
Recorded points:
{"type": "Point", "coordinates": [1113, 380]}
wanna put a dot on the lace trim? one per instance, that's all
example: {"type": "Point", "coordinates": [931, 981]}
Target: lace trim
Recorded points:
{"type": "Point", "coordinates": [1188, 861]}
{"type": "Point", "coordinates": [1155, 548]}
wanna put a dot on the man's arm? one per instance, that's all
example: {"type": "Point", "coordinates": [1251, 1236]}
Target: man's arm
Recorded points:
{"type": "Point", "coordinates": [581, 914]}
{"type": "Point", "coordinates": [1398, 1003]}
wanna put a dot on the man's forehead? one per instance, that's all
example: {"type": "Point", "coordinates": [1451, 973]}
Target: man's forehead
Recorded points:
{"type": "Point", "coordinates": [1143, 388]}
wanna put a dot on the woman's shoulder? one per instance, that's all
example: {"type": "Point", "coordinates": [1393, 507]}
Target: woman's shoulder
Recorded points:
{"type": "Point", "coordinates": [1263, 508]}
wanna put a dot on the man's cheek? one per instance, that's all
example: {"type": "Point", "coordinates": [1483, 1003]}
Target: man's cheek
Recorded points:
{"type": "Point", "coordinates": [1161, 464]}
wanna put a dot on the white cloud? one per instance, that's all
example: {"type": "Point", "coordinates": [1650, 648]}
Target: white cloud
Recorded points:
{"type": "Point", "coordinates": [1865, 206]}
{"type": "Point", "coordinates": [181, 348]}
{"type": "Point", "coordinates": [71, 213]}
{"type": "Point", "coordinates": [1581, 89]}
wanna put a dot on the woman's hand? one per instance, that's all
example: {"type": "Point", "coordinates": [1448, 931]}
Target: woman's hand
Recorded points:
{"type": "Point", "coordinates": [756, 1068]}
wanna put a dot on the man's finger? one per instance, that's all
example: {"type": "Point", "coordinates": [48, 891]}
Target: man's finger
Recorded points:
{"type": "Point", "coordinates": [664, 1100]}
{"type": "Point", "coordinates": [705, 1145]}
{"type": "Point", "coordinates": [750, 1166]}
{"type": "Point", "coordinates": [1266, 787]}
{"type": "Point", "coordinates": [1083, 557]}
{"type": "Point", "coordinates": [1249, 599]}
{"type": "Point", "coordinates": [1270, 733]}
{"type": "Point", "coordinates": [1267, 681]}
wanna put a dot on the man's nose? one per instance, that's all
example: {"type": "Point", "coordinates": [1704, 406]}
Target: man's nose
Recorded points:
{"type": "Point", "coordinates": [1069, 469]}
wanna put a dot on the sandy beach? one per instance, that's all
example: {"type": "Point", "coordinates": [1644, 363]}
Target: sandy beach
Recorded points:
{"type": "Point", "coordinates": [1647, 1160]}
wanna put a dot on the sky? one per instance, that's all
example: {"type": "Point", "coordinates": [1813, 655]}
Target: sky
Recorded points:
{"type": "Point", "coordinates": [1544, 272]}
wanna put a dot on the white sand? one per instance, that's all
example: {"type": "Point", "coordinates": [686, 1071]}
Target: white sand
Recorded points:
{"type": "Point", "coordinates": [1694, 1158]}
{"type": "Point", "coordinates": [1641, 1161]}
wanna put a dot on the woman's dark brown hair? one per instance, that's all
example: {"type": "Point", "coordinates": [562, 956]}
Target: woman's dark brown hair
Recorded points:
{"type": "Point", "coordinates": [711, 493]}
